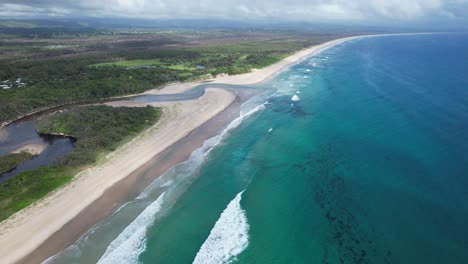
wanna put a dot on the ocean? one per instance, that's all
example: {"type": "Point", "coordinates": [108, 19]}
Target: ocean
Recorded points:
{"type": "Point", "coordinates": [354, 155]}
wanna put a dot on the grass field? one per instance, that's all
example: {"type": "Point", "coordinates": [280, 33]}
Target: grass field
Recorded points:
{"type": "Point", "coordinates": [146, 63]}
{"type": "Point", "coordinates": [129, 63]}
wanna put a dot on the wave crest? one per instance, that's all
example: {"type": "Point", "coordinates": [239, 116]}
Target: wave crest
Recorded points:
{"type": "Point", "coordinates": [128, 246]}
{"type": "Point", "coordinates": [228, 238]}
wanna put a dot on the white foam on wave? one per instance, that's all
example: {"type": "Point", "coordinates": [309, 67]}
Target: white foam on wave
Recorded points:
{"type": "Point", "coordinates": [131, 236]}
{"type": "Point", "coordinates": [131, 242]}
{"type": "Point", "coordinates": [236, 122]}
{"type": "Point", "coordinates": [128, 246]}
{"type": "Point", "coordinates": [228, 238]}
{"type": "Point", "coordinates": [168, 183]}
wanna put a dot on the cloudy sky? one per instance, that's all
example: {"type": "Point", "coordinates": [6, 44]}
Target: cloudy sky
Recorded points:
{"type": "Point", "coordinates": [359, 11]}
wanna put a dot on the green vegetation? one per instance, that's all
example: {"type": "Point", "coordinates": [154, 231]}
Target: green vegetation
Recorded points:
{"type": "Point", "coordinates": [54, 81]}
{"type": "Point", "coordinates": [147, 63]}
{"type": "Point", "coordinates": [57, 82]}
{"type": "Point", "coordinates": [44, 64]}
{"type": "Point", "coordinates": [129, 63]}
{"type": "Point", "coordinates": [28, 187]}
{"type": "Point", "coordinates": [98, 129]}
{"type": "Point", "coordinates": [11, 161]}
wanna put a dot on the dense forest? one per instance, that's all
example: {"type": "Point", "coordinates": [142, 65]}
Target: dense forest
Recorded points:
{"type": "Point", "coordinates": [97, 129]}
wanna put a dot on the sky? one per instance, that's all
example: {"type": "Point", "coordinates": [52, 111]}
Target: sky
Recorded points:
{"type": "Point", "coordinates": [336, 11]}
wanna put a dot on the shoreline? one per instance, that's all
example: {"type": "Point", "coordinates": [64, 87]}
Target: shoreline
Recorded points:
{"type": "Point", "coordinates": [133, 184]}
{"type": "Point", "coordinates": [25, 232]}
{"type": "Point", "coordinates": [256, 75]}
{"type": "Point", "coordinates": [239, 79]}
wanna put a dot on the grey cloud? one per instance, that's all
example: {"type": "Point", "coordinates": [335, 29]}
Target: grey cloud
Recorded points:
{"type": "Point", "coordinates": [299, 10]}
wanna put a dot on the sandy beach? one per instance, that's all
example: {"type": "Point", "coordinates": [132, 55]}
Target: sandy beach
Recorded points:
{"type": "Point", "coordinates": [28, 229]}
{"type": "Point", "coordinates": [34, 149]}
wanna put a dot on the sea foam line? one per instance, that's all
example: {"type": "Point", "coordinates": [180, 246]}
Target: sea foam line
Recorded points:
{"type": "Point", "coordinates": [133, 236]}
{"type": "Point", "coordinates": [128, 246]}
{"type": "Point", "coordinates": [198, 156]}
{"type": "Point", "coordinates": [228, 238]}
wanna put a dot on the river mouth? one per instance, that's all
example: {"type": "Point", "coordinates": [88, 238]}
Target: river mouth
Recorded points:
{"type": "Point", "coordinates": [134, 184]}
{"type": "Point", "coordinates": [22, 132]}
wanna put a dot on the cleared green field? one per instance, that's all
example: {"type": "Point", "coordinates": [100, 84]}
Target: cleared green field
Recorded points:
{"type": "Point", "coordinates": [129, 63]}
{"type": "Point", "coordinates": [148, 62]}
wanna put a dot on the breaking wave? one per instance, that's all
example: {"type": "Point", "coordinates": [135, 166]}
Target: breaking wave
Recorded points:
{"type": "Point", "coordinates": [228, 238]}
{"type": "Point", "coordinates": [131, 242]}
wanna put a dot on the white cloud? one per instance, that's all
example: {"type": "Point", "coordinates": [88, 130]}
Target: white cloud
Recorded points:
{"type": "Point", "coordinates": [403, 9]}
{"type": "Point", "coordinates": [307, 10]}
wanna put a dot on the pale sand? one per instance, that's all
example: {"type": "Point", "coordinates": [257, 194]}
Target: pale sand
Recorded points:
{"type": "Point", "coordinates": [34, 149]}
{"type": "Point", "coordinates": [3, 134]}
{"type": "Point", "coordinates": [29, 228]}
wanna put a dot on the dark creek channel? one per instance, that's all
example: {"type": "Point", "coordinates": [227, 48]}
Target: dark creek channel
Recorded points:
{"type": "Point", "coordinates": [23, 131]}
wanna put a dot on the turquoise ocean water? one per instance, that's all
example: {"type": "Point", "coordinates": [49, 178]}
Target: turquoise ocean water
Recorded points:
{"type": "Point", "coordinates": [369, 166]}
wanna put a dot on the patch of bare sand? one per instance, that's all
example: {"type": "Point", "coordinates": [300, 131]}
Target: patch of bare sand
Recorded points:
{"type": "Point", "coordinates": [34, 149]}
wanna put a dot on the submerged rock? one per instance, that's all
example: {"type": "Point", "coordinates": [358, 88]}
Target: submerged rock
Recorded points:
{"type": "Point", "coordinates": [282, 104]}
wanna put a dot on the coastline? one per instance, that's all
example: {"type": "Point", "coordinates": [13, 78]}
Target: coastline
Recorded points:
{"type": "Point", "coordinates": [257, 75]}
{"type": "Point", "coordinates": [27, 230]}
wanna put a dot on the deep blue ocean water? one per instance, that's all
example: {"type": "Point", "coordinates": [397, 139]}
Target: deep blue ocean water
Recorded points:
{"type": "Point", "coordinates": [369, 166]}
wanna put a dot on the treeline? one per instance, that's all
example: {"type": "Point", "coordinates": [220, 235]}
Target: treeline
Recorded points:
{"type": "Point", "coordinates": [52, 82]}
{"type": "Point", "coordinates": [97, 129]}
